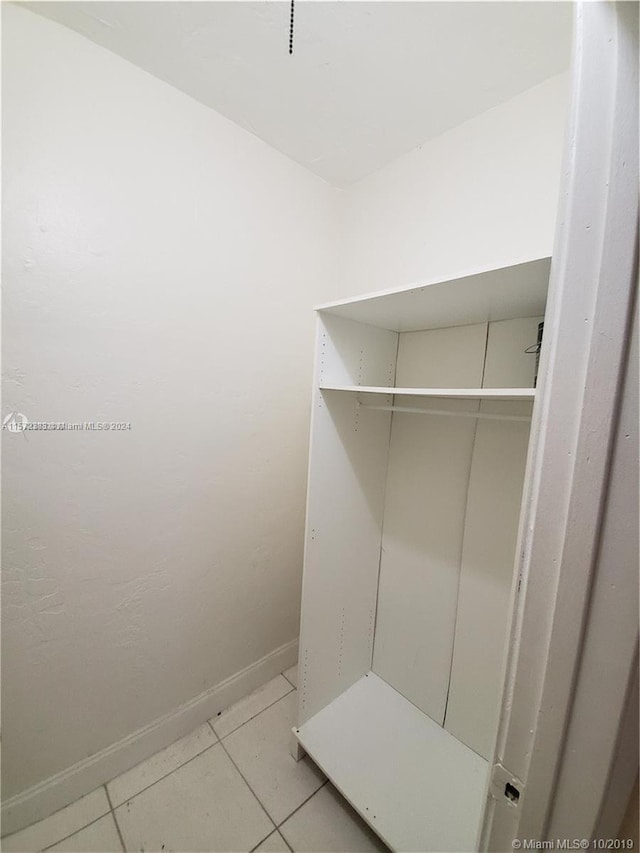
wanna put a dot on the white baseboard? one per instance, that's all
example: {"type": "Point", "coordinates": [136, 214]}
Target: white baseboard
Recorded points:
{"type": "Point", "coordinates": [58, 791]}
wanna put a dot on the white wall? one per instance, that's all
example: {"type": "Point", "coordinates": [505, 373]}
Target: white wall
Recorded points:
{"type": "Point", "coordinates": [482, 194]}
{"type": "Point", "coordinates": [159, 268]}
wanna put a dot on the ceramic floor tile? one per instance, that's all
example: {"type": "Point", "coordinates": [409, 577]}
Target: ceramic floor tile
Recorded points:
{"type": "Point", "coordinates": [100, 837]}
{"type": "Point", "coordinates": [64, 822]}
{"type": "Point", "coordinates": [250, 706]}
{"type": "Point", "coordinates": [275, 843]}
{"type": "Point", "coordinates": [328, 823]}
{"type": "Point", "coordinates": [133, 781]}
{"type": "Point", "coordinates": [292, 674]}
{"type": "Point", "coordinates": [204, 805]}
{"type": "Point", "coordinates": [261, 750]}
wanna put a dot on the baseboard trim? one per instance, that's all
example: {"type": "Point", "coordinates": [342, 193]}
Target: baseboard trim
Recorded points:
{"type": "Point", "coordinates": [58, 791]}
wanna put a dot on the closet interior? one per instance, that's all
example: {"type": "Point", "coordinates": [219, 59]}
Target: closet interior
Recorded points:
{"type": "Point", "coordinates": [422, 403]}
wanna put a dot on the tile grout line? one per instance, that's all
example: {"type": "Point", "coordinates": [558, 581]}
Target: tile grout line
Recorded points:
{"type": "Point", "coordinates": [326, 782]}
{"type": "Point", "coordinates": [262, 710]}
{"type": "Point", "coordinates": [193, 757]}
{"type": "Point", "coordinates": [275, 831]}
{"type": "Point", "coordinates": [71, 834]}
{"type": "Point", "coordinates": [285, 819]}
{"type": "Point", "coordinates": [285, 840]}
{"type": "Point", "coordinates": [219, 742]}
{"type": "Point", "coordinates": [165, 775]}
{"type": "Point", "coordinates": [255, 847]}
{"type": "Point", "coordinates": [115, 819]}
{"type": "Point", "coordinates": [275, 827]}
{"type": "Point", "coordinates": [258, 800]}
{"type": "Point", "coordinates": [175, 769]}
{"type": "Point", "coordinates": [297, 808]}
{"type": "Point", "coordinates": [112, 809]}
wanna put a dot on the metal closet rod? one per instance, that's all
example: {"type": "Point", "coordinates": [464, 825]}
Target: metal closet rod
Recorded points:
{"type": "Point", "coordinates": [488, 416]}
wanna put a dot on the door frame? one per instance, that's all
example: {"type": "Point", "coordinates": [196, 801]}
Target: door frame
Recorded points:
{"type": "Point", "coordinates": [585, 350]}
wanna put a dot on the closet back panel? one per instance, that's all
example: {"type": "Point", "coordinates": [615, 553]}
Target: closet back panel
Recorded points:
{"type": "Point", "coordinates": [507, 364]}
{"type": "Point", "coordinates": [488, 556]}
{"type": "Point", "coordinates": [450, 524]}
{"type": "Point", "coordinates": [427, 481]}
{"type": "Point", "coordinates": [442, 358]}
{"type": "Point", "coordinates": [344, 514]}
{"type": "Point", "coordinates": [486, 575]}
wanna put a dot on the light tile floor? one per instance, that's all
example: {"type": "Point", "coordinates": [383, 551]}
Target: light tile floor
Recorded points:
{"type": "Point", "coordinates": [231, 785]}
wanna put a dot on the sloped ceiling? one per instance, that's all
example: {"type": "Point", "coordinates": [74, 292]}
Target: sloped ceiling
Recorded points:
{"type": "Point", "coordinates": [367, 81]}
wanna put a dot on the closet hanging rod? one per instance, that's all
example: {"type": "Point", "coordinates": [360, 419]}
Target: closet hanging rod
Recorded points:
{"type": "Point", "coordinates": [489, 416]}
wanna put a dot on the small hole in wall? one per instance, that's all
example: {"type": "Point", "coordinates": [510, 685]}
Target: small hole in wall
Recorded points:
{"type": "Point", "coordinates": [218, 714]}
{"type": "Point", "coordinates": [511, 792]}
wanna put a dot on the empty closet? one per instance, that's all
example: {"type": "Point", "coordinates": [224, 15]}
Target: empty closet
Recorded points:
{"type": "Point", "coordinates": [422, 402]}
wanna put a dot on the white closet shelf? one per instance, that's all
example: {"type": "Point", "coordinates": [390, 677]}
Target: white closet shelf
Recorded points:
{"type": "Point", "coordinates": [451, 393]}
{"type": "Point", "coordinates": [479, 296]}
{"type": "Point", "coordinates": [418, 786]}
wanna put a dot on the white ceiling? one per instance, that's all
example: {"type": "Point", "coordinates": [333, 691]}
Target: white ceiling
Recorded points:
{"type": "Point", "coordinates": [367, 81]}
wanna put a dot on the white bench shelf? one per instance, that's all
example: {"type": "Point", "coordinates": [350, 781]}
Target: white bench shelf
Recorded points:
{"type": "Point", "coordinates": [406, 775]}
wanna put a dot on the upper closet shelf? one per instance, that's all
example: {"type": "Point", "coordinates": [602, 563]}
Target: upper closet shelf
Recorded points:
{"type": "Point", "coordinates": [450, 393]}
{"type": "Point", "coordinates": [484, 296]}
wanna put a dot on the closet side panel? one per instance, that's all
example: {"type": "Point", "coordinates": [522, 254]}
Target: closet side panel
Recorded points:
{"type": "Point", "coordinates": [488, 557]}
{"type": "Point", "coordinates": [352, 353]}
{"type": "Point", "coordinates": [429, 464]}
{"type": "Point", "coordinates": [347, 472]}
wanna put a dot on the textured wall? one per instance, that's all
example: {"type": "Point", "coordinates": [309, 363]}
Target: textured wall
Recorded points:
{"type": "Point", "coordinates": [483, 194]}
{"type": "Point", "coordinates": [160, 265]}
